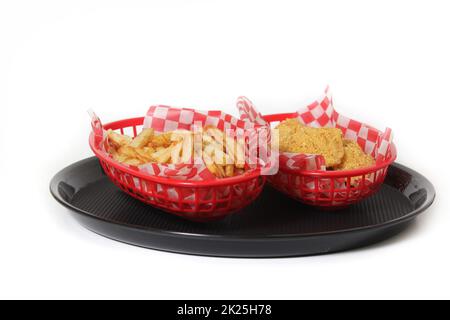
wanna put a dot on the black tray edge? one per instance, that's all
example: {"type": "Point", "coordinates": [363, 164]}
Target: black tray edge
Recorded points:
{"type": "Point", "coordinates": [427, 203]}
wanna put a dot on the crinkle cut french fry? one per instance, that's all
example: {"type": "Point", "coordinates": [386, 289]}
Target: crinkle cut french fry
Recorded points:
{"type": "Point", "coordinates": [212, 135]}
{"type": "Point", "coordinates": [187, 149]}
{"type": "Point", "coordinates": [221, 171]}
{"type": "Point", "coordinates": [179, 135]}
{"type": "Point", "coordinates": [240, 154]}
{"type": "Point", "coordinates": [175, 155]}
{"type": "Point", "coordinates": [118, 140]}
{"type": "Point", "coordinates": [219, 156]}
{"type": "Point", "coordinates": [145, 154]}
{"type": "Point", "coordinates": [207, 139]}
{"type": "Point", "coordinates": [118, 157]}
{"type": "Point", "coordinates": [185, 138]}
{"type": "Point", "coordinates": [230, 149]}
{"type": "Point", "coordinates": [229, 170]}
{"type": "Point", "coordinates": [207, 154]}
{"type": "Point", "coordinates": [210, 164]}
{"type": "Point", "coordinates": [163, 155]}
{"type": "Point", "coordinates": [208, 151]}
{"type": "Point", "coordinates": [213, 169]}
{"type": "Point", "coordinates": [213, 158]}
{"type": "Point", "coordinates": [215, 133]}
{"type": "Point", "coordinates": [127, 151]}
{"type": "Point", "coordinates": [125, 155]}
{"type": "Point", "coordinates": [142, 139]}
{"type": "Point", "coordinates": [133, 162]}
{"type": "Point", "coordinates": [161, 140]}
{"type": "Point", "coordinates": [214, 149]}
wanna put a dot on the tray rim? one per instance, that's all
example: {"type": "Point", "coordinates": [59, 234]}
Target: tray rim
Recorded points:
{"type": "Point", "coordinates": [260, 237]}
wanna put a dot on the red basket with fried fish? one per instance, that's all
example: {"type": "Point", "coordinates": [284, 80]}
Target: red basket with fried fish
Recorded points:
{"type": "Point", "coordinates": [326, 160]}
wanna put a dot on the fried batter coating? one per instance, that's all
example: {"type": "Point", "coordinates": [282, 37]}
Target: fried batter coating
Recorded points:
{"type": "Point", "coordinates": [354, 157]}
{"type": "Point", "coordinates": [297, 138]}
{"type": "Point", "coordinates": [289, 127]}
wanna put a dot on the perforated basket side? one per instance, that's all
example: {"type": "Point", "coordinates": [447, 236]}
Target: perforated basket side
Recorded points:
{"type": "Point", "coordinates": [329, 188]}
{"type": "Point", "coordinates": [196, 200]}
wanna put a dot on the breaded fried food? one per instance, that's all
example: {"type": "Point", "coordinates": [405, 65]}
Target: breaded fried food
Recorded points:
{"type": "Point", "coordinates": [297, 138]}
{"type": "Point", "coordinates": [289, 127]}
{"type": "Point", "coordinates": [354, 157]}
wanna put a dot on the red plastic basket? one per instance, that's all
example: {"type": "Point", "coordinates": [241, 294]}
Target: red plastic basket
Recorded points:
{"type": "Point", "coordinates": [194, 200]}
{"type": "Point", "coordinates": [329, 189]}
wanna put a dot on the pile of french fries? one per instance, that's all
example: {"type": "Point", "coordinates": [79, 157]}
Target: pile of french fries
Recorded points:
{"type": "Point", "coordinates": [223, 155]}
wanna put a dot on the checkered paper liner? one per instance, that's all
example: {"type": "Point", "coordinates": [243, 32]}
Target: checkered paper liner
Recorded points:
{"type": "Point", "coordinates": [321, 114]}
{"type": "Point", "coordinates": [269, 155]}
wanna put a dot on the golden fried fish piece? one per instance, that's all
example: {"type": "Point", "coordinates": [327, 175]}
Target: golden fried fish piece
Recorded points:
{"type": "Point", "coordinates": [289, 127]}
{"type": "Point", "coordinates": [354, 157]}
{"type": "Point", "coordinates": [297, 138]}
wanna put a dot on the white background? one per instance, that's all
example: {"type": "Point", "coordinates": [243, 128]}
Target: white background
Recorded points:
{"type": "Point", "coordinates": [387, 63]}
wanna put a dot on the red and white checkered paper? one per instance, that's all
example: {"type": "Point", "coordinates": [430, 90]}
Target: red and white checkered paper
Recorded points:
{"type": "Point", "coordinates": [164, 118]}
{"type": "Point", "coordinates": [321, 114]}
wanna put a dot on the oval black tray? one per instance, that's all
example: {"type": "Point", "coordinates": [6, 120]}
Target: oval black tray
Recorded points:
{"type": "Point", "coordinates": [273, 226]}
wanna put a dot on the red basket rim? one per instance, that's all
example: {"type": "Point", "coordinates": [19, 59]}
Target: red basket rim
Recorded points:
{"type": "Point", "coordinates": [249, 175]}
{"type": "Point", "coordinates": [344, 173]}
{"type": "Point", "coordinates": [335, 174]}
{"type": "Point", "coordinates": [232, 180]}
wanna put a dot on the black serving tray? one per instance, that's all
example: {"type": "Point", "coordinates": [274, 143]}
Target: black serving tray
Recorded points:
{"type": "Point", "coordinates": [273, 226]}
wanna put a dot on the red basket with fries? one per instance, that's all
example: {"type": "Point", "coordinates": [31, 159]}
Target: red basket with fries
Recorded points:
{"type": "Point", "coordinates": [186, 190]}
{"type": "Point", "coordinates": [305, 177]}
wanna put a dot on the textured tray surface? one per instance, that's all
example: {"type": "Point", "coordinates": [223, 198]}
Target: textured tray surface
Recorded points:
{"type": "Point", "coordinates": [84, 188]}
{"type": "Point", "coordinates": [272, 213]}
